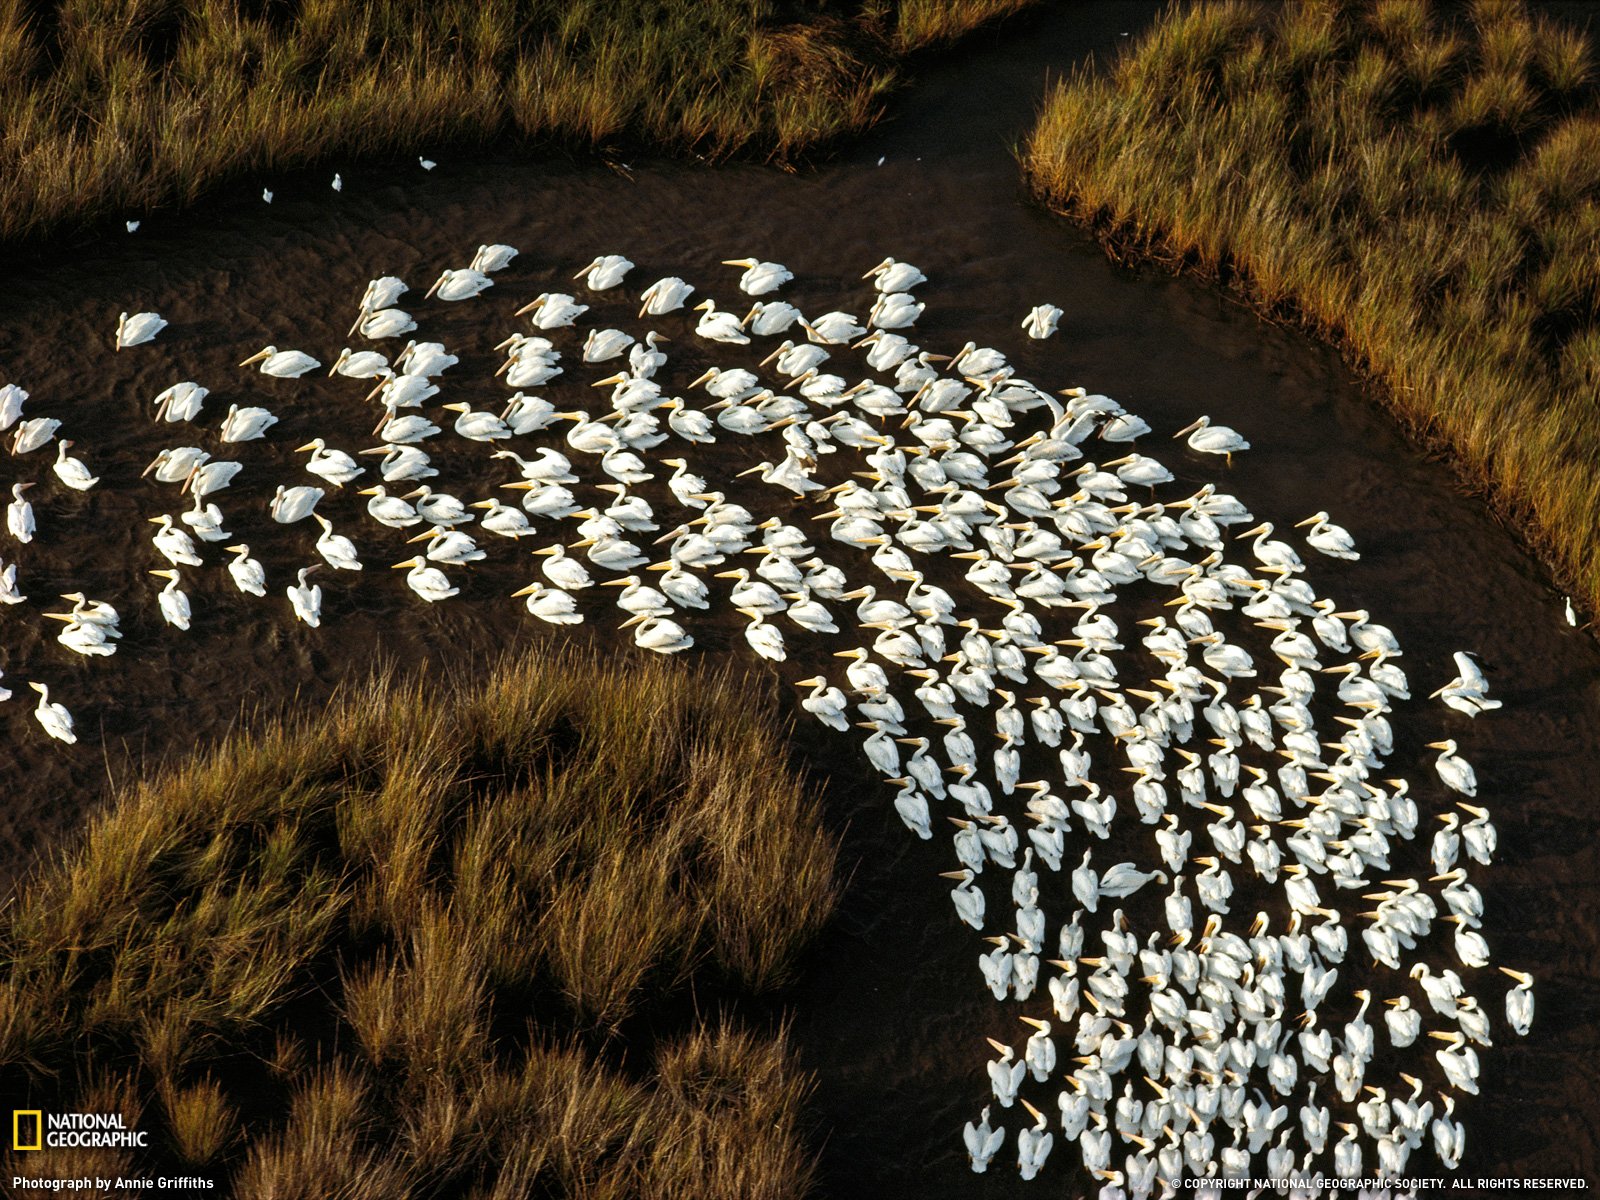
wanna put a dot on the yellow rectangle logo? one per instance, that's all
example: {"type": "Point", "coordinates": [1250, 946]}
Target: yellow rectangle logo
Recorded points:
{"type": "Point", "coordinates": [17, 1115]}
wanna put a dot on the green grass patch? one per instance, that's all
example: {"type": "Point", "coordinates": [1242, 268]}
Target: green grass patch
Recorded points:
{"type": "Point", "coordinates": [438, 941]}
{"type": "Point", "coordinates": [121, 107]}
{"type": "Point", "coordinates": [1418, 182]}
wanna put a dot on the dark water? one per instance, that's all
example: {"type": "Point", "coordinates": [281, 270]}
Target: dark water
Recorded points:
{"type": "Point", "coordinates": [891, 1013]}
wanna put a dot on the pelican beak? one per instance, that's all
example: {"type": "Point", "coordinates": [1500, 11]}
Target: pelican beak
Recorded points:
{"type": "Point", "coordinates": [254, 358]}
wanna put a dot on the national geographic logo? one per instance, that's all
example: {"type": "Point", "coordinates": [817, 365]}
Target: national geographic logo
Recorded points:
{"type": "Point", "coordinates": [27, 1129]}
{"type": "Point", "coordinates": [32, 1129]}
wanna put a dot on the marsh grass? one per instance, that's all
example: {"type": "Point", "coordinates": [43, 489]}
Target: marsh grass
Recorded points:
{"type": "Point", "coordinates": [1417, 182]}
{"type": "Point", "coordinates": [121, 106]}
{"type": "Point", "coordinates": [393, 950]}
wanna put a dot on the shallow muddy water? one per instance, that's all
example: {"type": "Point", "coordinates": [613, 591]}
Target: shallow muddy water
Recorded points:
{"type": "Point", "coordinates": [891, 1012]}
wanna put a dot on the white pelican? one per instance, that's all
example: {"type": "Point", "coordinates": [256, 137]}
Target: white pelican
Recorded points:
{"type": "Point", "coordinates": [759, 277]}
{"type": "Point", "coordinates": [1213, 439]}
{"type": "Point", "coordinates": [553, 310]}
{"type": "Point", "coordinates": [770, 317]}
{"type": "Point", "coordinates": [659, 634]}
{"type": "Point", "coordinates": [604, 344]}
{"type": "Point", "coordinates": [459, 285]}
{"type": "Point", "coordinates": [502, 520]}
{"type": "Point", "coordinates": [306, 599]}
{"type": "Point", "coordinates": [175, 464]}
{"type": "Point", "coordinates": [360, 364]}
{"type": "Point", "coordinates": [1455, 771]}
{"type": "Point", "coordinates": [833, 328]}
{"type": "Point", "coordinates": [891, 276]}
{"type": "Point", "coordinates": [766, 640]}
{"type": "Point", "coordinates": [425, 359]}
{"type": "Point", "coordinates": [71, 471]}
{"type": "Point", "coordinates": [282, 364]}
{"type": "Point", "coordinates": [439, 508]}
{"type": "Point", "coordinates": [33, 433]}
{"type": "Point", "coordinates": [248, 574]}
{"type": "Point", "coordinates": [664, 296]}
{"type": "Point", "coordinates": [294, 504]}
{"type": "Point", "coordinates": [12, 398]}
{"type": "Point", "coordinates": [1330, 539]}
{"type": "Point", "coordinates": [206, 521]}
{"type": "Point", "coordinates": [450, 546]}
{"type": "Point", "coordinates": [983, 1142]}
{"type": "Point", "coordinates": [181, 401]}
{"type": "Point", "coordinates": [246, 424]}
{"type": "Point", "coordinates": [19, 514]}
{"type": "Point", "coordinates": [401, 463]}
{"type": "Point", "coordinates": [1519, 1002]}
{"type": "Point", "coordinates": [389, 510]}
{"type": "Point", "coordinates": [550, 604]}
{"type": "Point", "coordinates": [494, 257]}
{"type": "Point", "coordinates": [605, 272]}
{"type": "Point", "coordinates": [428, 582]}
{"type": "Point", "coordinates": [478, 426]}
{"type": "Point", "coordinates": [337, 467]}
{"type": "Point", "coordinates": [139, 328]}
{"type": "Point", "coordinates": [176, 546]}
{"type": "Point", "coordinates": [566, 572]}
{"type": "Point", "coordinates": [382, 292]}
{"type": "Point", "coordinates": [1468, 692]}
{"type": "Point", "coordinates": [174, 602]}
{"type": "Point", "coordinates": [207, 477]}
{"type": "Point", "coordinates": [337, 550]}
{"type": "Point", "coordinates": [1041, 321]}
{"type": "Point", "coordinates": [719, 326]}
{"type": "Point", "coordinates": [383, 323]}
{"type": "Point", "coordinates": [894, 310]}
{"type": "Point", "coordinates": [54, 718]}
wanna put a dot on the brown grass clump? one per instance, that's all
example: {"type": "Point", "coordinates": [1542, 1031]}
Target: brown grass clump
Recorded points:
{"type": "Point", "coordinates": [413, 947]}
{"type": "Point", "coordinates": [1416, 181]}
{"type": "Point", "coordinates": [127, 106]}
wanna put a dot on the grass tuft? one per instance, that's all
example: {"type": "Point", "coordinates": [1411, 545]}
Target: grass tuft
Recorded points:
{"type": "Point", "coordinates": [433, 942]}
{"type": "Point", "coordinates": [1417, 183]}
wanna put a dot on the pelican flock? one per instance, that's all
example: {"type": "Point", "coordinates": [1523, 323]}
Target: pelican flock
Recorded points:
{"type": "Point", "coordinates": [1161, 757]}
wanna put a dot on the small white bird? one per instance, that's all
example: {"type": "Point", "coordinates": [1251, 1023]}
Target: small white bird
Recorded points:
{"type": "Point", "coordinates": [337, 467]}
{"type": "Point", "coordinates": [139, 328]}
{"type": "Point", "coordinates": [428, 582]}
{"type": "Point", "coordinates": [176, 546]}
{"type": "Point", "coordinates": [1455, 771]}
{"type": "Point", "coordinates": [427, 164]}
{"type": "Point", "coordinates": [266, 194]}
{"type": "Point", "coordinates": [460, 285]}
{"type": "Point", "coordinates": [1213, 439]}
{"type": "Point", "coordinates": [181, 401]}
{"type": "Point", "coordinates": [33, 433]}
{"type": "Point", "coordinates": [338, 182]}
